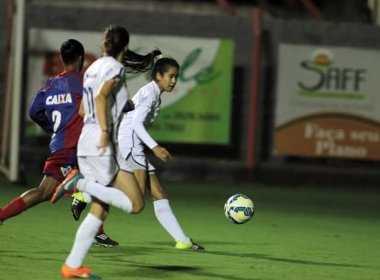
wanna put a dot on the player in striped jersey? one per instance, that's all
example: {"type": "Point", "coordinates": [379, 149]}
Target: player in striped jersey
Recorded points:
{"type": "Point", "coordinates": [55, 109]}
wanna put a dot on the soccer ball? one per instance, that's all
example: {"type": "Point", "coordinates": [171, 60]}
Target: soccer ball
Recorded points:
{"type": "Point", "coordinates": [239, 209]}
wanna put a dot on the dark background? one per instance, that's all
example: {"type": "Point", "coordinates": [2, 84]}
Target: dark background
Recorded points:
{"type": "Point", "coordinates": [336, 23]}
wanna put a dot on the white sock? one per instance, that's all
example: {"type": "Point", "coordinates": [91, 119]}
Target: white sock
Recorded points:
{"type": "Point", "coordinates": [109, 195]}
{"type": "Point", "coordinates": [165, 216]}
{"type": "Point", "coordinates": [83, 240]}
{"type": "Point", "coordinates": [87, 197]}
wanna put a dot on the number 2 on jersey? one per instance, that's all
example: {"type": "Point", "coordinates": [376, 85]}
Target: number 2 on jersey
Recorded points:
{"type": "Point", "coordinates": [56, 117]}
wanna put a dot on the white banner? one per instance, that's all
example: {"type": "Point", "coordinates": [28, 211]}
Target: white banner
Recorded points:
{"type": "Point", "coordinates": [198, 109]}
{"type": "Point", "coordinates": [327, 102]}
{"type": "Point", "coordinates": [42, 41]}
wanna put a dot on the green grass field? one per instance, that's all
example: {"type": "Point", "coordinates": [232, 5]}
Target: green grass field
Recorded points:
{"type": "Point", "coordinates": [296, 234]}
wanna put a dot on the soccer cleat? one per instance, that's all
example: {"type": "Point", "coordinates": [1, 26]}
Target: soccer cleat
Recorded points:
{"type": "Point", "coordinates": [104, 240]}
{"type": "Point", "coordinates": [68, 186]}
{"type": "Point", "coordinates": [189, 246]}
{"type": "Point", "coordinates": [78, 204]}
{"type": "Point", "coordinates": [81, 272]}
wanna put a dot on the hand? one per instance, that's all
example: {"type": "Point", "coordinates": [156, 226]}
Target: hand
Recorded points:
{"type": "Point", "coordinates": [129, 106]}
{"type": "Point", "coordinates": [103, 142]}
{"type": "Point", "coordinates": [162, 153]}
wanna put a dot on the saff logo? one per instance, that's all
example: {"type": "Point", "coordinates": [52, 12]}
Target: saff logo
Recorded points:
{"type": "Point", "coordinates": [323, 78]}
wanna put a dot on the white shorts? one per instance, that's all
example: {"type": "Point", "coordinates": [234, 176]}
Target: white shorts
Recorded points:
{"type": "Point", "coordinates": [100, 169]}
{"type": "Point", "coordinates": [132, 151]}
{"type": "Point", "coordinates": [135, 159]}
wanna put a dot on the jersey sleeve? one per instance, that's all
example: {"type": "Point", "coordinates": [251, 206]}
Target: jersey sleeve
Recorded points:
{"type": "Point", "coordinates": [37, 111]}
{"type": "Point", "coordinates": [116, 71]}
{"type": "Point", "coordinates": [141, 113]}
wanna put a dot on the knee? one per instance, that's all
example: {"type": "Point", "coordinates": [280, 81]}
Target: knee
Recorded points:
{"type": "Point", "coordinates": [138, 206]}
{"type": "Point", "coordinates": [43, 193]}
{"type": "Point", "coordinates": [99, 209]}
{"type": "Point", "coordinates": [48, 193]}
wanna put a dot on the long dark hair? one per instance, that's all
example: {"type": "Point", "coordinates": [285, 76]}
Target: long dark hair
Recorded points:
{"type": "Point", "coordinates": [137, 63]}
{"type": "Point", "coordinates": [116, 38]}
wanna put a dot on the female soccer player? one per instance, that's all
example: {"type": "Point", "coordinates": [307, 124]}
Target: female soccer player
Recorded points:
{"type": "Point", "coordinates": [55, 109]}
{"type": "Point", "coordinates": [133, 136]}
{"type": "Point", "coordinates": [104, 100]}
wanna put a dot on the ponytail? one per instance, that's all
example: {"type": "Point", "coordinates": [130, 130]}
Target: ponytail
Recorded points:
{"type": "Point", "coordinates": [137, 63]}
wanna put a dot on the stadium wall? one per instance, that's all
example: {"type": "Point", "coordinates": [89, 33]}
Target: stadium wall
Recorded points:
{"type": "Point", "coordinates": [3, 16]}
{"type": "Point", "coordinates": [3, 44]}
{"type": "Point", "coordinates": [227, 163]}
{"type": "Point", "coordinates": [298, 170]}
{"type": "Point", "coordinates": [59, 15]}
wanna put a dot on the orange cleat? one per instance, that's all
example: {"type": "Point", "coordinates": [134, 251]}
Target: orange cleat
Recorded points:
{"type": "Point", "coordinates": [68, 186]}
{"type": "Point", "coordinates": [81, 272]}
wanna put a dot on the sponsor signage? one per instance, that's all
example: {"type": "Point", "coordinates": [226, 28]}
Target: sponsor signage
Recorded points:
{"type": "Point", "coordinates": [198, 110]}
{"type": "Point", "coordinates": [327, 102]}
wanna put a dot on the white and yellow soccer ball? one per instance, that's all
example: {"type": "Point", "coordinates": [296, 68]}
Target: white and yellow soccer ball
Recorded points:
{"type": "Point", "coordinates": [239, 209]}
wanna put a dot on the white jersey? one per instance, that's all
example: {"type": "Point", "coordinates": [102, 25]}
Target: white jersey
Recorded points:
{"type": "Point", "coordinates": [103, 69]}
{"type": "Point", "coordinates": [132, 128]}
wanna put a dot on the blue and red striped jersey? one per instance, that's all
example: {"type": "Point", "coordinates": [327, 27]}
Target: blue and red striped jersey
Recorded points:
{"type": "Point", "coordinates": [55, 109]}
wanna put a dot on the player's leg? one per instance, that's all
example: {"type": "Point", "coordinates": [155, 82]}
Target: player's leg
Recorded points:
{"type": "Point", "coordinates": [43, 192]}
{"type": "Point", "coordinates": [102, 239]}
{"type": "Point", "coordinates": [163, 211]}
{"type": "Point", "coordinates": [81, 199]}
{"type": "Point", "coordinates": [126, 182]}
{"type": "Point", "coordinates": [79, 203]}
{"type": "Point", "coordinates": [57, 166]}
{"type": "Point", "coordinates": [111, 196]}
{"type": "Point", "coordinates": [29, 198]}
{"type": "Point", "coordinates": [166, 217]}
{"type": "Point", "coordinates": [84, 238]}
{"type": "Point", "coordinates": [128, 194]}
{"type": "Point", "coordinates": [101, 169]}
{"type": "Point", "coordinates": [141, 178]}
{"type": "Point", "coordinates": [54, 169]}
{"type": "Point", "coordinates": [136, 161]}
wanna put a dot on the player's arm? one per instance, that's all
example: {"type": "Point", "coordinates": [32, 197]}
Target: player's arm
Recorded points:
{"type": "Point", "coordinates": [138, 126]}
{"type": "Point", "coordinates": [101, 103]}
{"type": "Point", "coordinates": [37, 111]}
{"type": "Point", "coordinates": [81, 111]}
{"type": "Point", "coordinates": [162, 153]}
{"type": "Point", "coordinates": [112, 78]}
{"type": "Point", "coordinates": [101, 112]}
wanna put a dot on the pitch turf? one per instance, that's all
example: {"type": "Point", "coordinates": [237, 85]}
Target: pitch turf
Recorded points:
{"type": "Point", "coordinates": [296, 234]}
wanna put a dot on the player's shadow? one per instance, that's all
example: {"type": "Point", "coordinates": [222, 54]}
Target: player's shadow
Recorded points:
{"type": "Point", "coordinates": [170, 272]}
{"type": "Point", "coordinates": [278, 259]}
{"type": "Point", "coordinates": [33, 255]}
{"type": "Point", "coordinates": [122, 256]}
{"type": "Point", "coordinates": [165, 244]}
{"type": "Point", "coordinates": [172, 268]}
